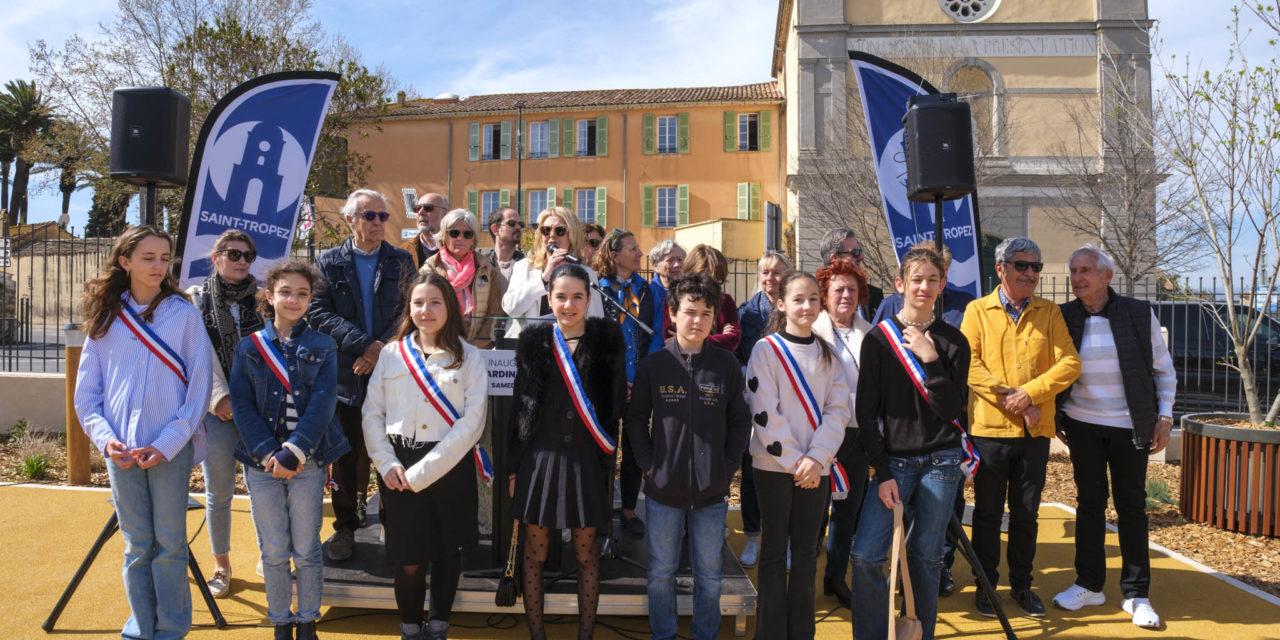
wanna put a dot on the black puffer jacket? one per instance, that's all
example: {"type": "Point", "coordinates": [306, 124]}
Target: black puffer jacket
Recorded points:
{"type": "Point", "coordinates": [700, 424]}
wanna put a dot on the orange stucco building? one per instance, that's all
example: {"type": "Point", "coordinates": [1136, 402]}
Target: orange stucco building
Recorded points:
{"type": "Point", "coordinates": [647, 160]}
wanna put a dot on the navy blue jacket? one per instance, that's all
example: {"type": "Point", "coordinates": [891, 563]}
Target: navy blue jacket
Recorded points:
{"type": "Point", "coordinates": [753, 317]}
{"type": "Point", "coordinates": [337, 310]}
{"type": "Point", "coordinates": [256, 396]}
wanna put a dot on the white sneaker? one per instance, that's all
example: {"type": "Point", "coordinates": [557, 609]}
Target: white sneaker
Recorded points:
{"type": "Point", "coordinates": [1143, 615]}
{"type": "Point", "coordinates": [751, 552]}
{"type": "Point", "coordinates": [220, 583]}
{"type": "Point", "coordinates": [1077, 596]}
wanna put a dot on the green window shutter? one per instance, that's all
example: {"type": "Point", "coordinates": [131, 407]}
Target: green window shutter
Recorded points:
{"type": "Point", "coordinates": [473, 149]}
{"type": "Point", "coordinates": [506, 140]}
{"type": "Point", "coordinates": [553, 142]}
{"type": "Point", "coordinates": [730, 131]}
{"type": "Point", "coordinates": [524, 140]}
{"type": "Point", "coordinates": [551, 195]}
{"type": "Point", "coordinates": [766, 131]}
{"type": "Point", "coordinates": [567, 200]}
{"type": "Point", "coordinates": [682, 205]}
{"type": "Point", "coordinates": [649, 134]}
{"type": "Point", "coordinates": [522, 197]}
{"type": "Point", "coordinates": [504, 198]}
{"type": "Point", "coordinates": [602, 202]}
{"type": "Point", "coordinates": [602, 136]}
{"type": "Point", "coordinates": [682, 132]}
{"type": "Point", "coordinates": [744, 200]}
{"type": "Point", "coordinates": [647, 206]}
{"type": "Point", "coordinates": [566, 133]}
{"type": "Point", "coordinates": [754, 213]}
{"type": "Point", "coordinates": [473, 200]}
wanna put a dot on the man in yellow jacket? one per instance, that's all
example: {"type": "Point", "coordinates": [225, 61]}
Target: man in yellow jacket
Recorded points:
{"type": "Point", "coordinates": [1022, 358]}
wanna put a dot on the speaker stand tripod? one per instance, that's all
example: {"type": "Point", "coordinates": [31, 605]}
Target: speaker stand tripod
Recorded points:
{"type": "Point", "coordinates": [113, 525]}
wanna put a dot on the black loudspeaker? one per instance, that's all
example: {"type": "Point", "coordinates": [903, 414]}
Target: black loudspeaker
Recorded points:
{"type": "Point", "coordinates": [150, 136]}
{"type": "Point", "coordinates": [938, 141]}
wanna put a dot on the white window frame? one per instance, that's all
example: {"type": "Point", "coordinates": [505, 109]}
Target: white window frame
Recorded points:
{"type": "Point", "coordinates": [668, 135]}
{"type": "Point", "coordinates": [487, 198]}
{"type": "Point", "coordinates": [537, 142]}
{"type": "Point", "coordinates": [666, 217]}
{"type": "Point", "coordinates": [491, 141]}
{"type": "Point", "coordinates": [586, 207]}
{"type": "Point", "coordinates": [586, 139]}
{"type": "Point", "coordinates": [537, 202]}
{"type": "Point", "coordinates": [745, 120]}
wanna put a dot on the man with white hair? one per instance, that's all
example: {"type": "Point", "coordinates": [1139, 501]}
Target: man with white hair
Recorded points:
{"type": "Point", "coordinates": [1115, 415]}
{"type": "Point", "coordinates": [358, 309]}
{"type": "Point", "coordinates": [430, 209]}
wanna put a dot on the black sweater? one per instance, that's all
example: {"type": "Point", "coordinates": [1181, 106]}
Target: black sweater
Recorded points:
{"type": "Point", "coordinates": [888, 397]}
{"type": "Point", "coordinates": [701, 424]}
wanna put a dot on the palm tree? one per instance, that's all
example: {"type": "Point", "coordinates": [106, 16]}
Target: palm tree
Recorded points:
{"type": "Point", "coordinates": [24, 114]}
{"type": "Point", "coordinates": [6, 162]}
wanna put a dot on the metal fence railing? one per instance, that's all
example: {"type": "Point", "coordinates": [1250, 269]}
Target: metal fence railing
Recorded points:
{"type": "Point", "coordinates": [42, 287]}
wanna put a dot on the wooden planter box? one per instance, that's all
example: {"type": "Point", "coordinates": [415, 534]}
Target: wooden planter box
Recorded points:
{"type": "Point", "coordinates": [1231, 476]}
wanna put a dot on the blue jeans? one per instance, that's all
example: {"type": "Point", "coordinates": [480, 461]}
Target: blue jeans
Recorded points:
{"type": "Point", "coordinates": [927, 486]}
{"type": "Point", "coordinates": [286, 515]}
{"type": "Point", "coordinates": [151, 506]}
{"type": "Point", "coordinates": [219, 481]}
{"type": "Point", "coordinates": [664, 536]}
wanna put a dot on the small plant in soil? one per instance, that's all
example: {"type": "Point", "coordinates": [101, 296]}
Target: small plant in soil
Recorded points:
{"type": "Point", "coordinates": [1158, 495]}
{"type": "Point", "coordinates": [35, 466]}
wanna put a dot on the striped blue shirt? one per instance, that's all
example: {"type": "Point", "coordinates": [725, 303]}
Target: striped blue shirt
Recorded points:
{"type": "Point", "coordinates": [123, 391]}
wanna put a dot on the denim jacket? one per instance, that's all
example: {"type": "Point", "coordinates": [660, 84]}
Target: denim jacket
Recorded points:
{"type": "Point", "coordinates": [311, 358]}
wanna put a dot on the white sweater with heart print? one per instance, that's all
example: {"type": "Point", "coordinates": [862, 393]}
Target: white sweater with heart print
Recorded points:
{"type": "Point", "coordinates": [781, 430]}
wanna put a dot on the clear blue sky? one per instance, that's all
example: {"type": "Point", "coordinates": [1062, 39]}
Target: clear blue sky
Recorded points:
{"type": "Point", "coordinates": [492, 46]}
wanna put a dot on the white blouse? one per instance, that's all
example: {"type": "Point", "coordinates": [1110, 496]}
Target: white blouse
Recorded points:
{"type": "Point", "coordinates": [525, 291]}
{"type": "Point", "coordinates": [396, 405]}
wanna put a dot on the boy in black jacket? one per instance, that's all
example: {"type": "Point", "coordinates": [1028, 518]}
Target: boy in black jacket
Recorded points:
{"type": "Point", "coordinates": [692, 393]}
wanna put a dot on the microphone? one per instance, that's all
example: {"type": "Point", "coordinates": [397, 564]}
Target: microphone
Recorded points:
{"type": "Point", "coordinates": [568, 257]}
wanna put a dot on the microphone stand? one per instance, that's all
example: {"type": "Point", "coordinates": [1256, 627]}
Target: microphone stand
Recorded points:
{"type": "Point", "coordinates": [608, 297]}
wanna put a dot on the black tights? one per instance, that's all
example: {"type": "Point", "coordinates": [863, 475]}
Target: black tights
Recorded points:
{"type": "Point", "coordinates": [537, 541]}
{"type": "Point", "coordinates": [411, 588]}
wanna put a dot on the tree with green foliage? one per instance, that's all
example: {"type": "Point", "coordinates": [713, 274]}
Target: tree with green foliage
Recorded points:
{"type": "Point", "coordinates": [107, 213]}
{"type": "Point", "coordinates": [25, 115]}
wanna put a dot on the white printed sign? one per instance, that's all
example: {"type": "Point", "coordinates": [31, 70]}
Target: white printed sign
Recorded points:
{"type": "Point", "coordinates": [501, 365]}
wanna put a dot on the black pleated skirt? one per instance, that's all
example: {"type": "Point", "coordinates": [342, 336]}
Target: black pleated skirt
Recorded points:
{"type": "Point", "coordinates": [562, 488]}
{"type": "Point", "coordinates": [433, 523]}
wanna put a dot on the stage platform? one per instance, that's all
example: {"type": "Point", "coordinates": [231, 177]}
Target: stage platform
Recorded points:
{"type": "Point", "coordinates": [366, 580]}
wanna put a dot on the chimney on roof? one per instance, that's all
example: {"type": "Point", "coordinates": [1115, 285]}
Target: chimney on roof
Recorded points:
{"type": "Point", "coordinates": [400, 98]}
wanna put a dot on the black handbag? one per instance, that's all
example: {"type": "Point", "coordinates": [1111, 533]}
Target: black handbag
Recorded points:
{"type": "Point", "coordinates": [507, 589]}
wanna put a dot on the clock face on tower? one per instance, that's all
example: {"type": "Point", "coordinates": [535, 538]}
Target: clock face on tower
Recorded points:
{"type": "Point", "coordinates": [969, 10]}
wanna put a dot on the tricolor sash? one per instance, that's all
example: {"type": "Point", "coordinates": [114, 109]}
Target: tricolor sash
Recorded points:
{"type": "Point", "coordinates": [915, 371]}
{"type": "Point", "coordinates": [418, 371]}
{"type": "Point", "coordinates": [839, 479]}
{"type": "Point", "coordinates": [154, 344]}
{"type": "Point", "coordinates": [569, 372]}
{"type": "Point", "coordinates": [275, 361]}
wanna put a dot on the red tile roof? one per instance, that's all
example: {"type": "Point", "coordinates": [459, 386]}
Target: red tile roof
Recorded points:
{"type": "Point", "coordinates": [574, 100]}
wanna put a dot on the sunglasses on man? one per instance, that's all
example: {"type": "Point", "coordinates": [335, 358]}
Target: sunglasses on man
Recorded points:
{"type": "Point", "coordinates": [513, 223]}
{"type": "Point", "coordinates": [1023, 265]}
{"type": "Point", "coordinates": [235, 255]}
{"type": "Point", "coordinates": [546, 231]}
{"type": "Point", "coordinates": [380, 215]}
{"type": "Point", "coordinates": [465, 233]}
{"type": "Point", "coordinates": [425, 208]}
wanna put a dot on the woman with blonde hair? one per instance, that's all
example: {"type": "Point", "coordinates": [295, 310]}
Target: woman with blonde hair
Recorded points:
{"type": "Point", "coordinates": [477, 281]}
{"type": "Point", "coordinates": [558, 239]}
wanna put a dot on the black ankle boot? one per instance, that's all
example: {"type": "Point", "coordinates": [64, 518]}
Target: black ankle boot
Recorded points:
{"type": "Point", "coordinates": [284, 631]}
{"type": "Point", "coordinates": [307, 631]}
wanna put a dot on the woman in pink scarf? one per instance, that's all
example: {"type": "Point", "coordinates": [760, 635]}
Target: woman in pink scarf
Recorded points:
{"type": "Point", "coordinates": [474, 277]}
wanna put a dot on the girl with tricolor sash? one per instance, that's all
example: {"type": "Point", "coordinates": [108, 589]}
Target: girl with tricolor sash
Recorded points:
{"type": "Point", "coordinates": [424, 413]}
{"type": "Point", "coordinates": [800, 407]}
{"type": "Point", "coordinates": [283, 382]}
{"type": "Point", "coordinates": [913, 384]}
{"type": "Point", "coordinates": [570, 390]}
{"type": "Point", "coordinates": [141, 392]}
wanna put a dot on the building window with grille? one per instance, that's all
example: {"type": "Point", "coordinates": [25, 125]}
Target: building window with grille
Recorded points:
{"type": "Point", "coordinates": [586, 205]}
{"type": "Point", "coordinates": [666, 197]}
{"type": "Point", "coordinates": [537, 202]}
{"type": "Point", "coordinates": [748, 132]}
{"type": "Point", "coordinates": [537, 143]}
{"type": "Point", "coordinates": [667, 128]}
{"type": "Point", "coordinates": [587, 138]}
{"type": "Point", "coordinates": [489, 200]}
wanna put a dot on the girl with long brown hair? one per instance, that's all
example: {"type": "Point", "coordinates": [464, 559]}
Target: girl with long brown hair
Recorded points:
{"type": "Point", "coordinates": [141, 391]}
{"type": "Point", "coordinates": [424, 413]}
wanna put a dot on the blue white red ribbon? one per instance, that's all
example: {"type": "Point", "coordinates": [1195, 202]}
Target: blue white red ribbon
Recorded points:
{"type": "Point", "coordinates": [435, 395]}
{"type": "Point", "coordinates": [839, 479]}
{"type": "Point", "coordinates": [569, 372]}
{"type": "Point", "coordinates": [154, 344]}
{"type": "Point", "coordinates": [275, 361]}
{"type": "Point", "coordinates": [915, 371]}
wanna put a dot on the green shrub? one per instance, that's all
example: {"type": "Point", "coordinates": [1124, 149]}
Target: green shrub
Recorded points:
{"type": "Point", "coordinates": [34, 466]}
{"type": "Point", "coordinates": [19, 430]}
{"type": "Point", "coordinates": [1158, 494]}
